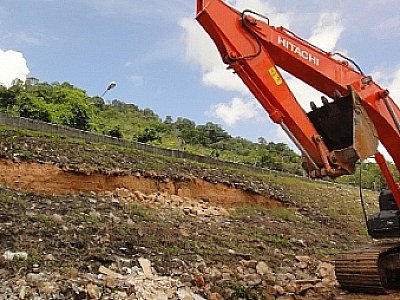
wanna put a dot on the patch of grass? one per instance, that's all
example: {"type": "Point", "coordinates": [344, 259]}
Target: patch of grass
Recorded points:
{"type": "Point", "coordinates": [250, 210]}
{"type": "Point", "coordinates": [194, 246]}
{"type": "Point", "coordinates": [6, 198]}
{"type": "Point", "coordinates": [34, 258]}
{"type": "Point", "coordinates": [241, 293]}
{"type": "Point", "coordinates": [332, 213]}
{"type": "Point", "coordinates": [45, 220]}
{"type": "Point", "coordinates": [124, 229]}
{"type": "Point", "coordinates": [84, 218]}
{"type": "Point", "coordinates": [174, 250]}
{"type": "Point", "coordinates": [277, 240]}
{"type": "Point", "coordinates": [284, 214]}
{"type": "Point", "coordinates": [92, 219]}
{"type": "Point", "coordinates": [137, 210]}
{"type": "Point", "coordinates": [331, 251]}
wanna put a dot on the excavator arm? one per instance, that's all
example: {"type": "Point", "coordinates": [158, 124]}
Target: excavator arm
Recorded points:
{"type": "Point", "coordinates": [332, 137]}
{"type": "Point", "coordinates": [254, 50]}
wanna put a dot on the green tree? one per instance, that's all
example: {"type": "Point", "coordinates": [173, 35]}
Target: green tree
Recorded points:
{"type": "Point", "coordinates": [149, 135]}
{"type": "Point", "coordinates": [7, 98]}
{"type": "Point", "coordinates": [116, 132]}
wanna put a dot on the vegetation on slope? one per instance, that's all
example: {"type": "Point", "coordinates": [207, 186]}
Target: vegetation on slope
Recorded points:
{"type": "Point", "coordinates": [68, 105]}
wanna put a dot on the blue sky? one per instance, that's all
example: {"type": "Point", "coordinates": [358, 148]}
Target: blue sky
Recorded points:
{"type": "Point", "coordinates": [161, 59]}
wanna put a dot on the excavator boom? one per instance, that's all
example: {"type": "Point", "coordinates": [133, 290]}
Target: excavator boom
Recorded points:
{"type": "Point", "coordinates": [332, 137]}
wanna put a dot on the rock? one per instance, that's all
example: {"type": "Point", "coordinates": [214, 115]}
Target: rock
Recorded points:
{"type": "Point", "coordinates": [279, 290]}
{"type": "Point", "coordinates": [33, 279]}
{"type": "Point", "coordinates": [216, 296]}
{"type": "Point", "coordinates": [122, 193]}
{"type": "Point", "coordinates": [139, 195]}
{"type": "Point", "coordinates": [303, 258]}
{"type": "Point", "coordinates": [250, 264]}
{"type": "Point", "coordinates": [145, 264]}
{"type": "Point", "coordinates": [93, 291]}
{"type": "Point", "coordinates": [301, 265]}
{"type": "Point", "coordinates": [291, 288]}
{"type": "Point", "coordinates": [22, 293]}
{"type": "Point", "coordinates": [176, 198]}
{"type": "Point", "coordinates": [49, 257]}
{"type": "Point", "coordinates": [110, 273]}
{"type": "Point", "coordinates": [326, 270]}
{"type": "Point", "coordinates": [57, 218]}
{"type": "Point", "coordinates": [303, 289]}
{"type": "Point", "coordinates": [199, 281]}
{"type": "Point", "coordinates": [186, 294]}
{"type": "Point", "coordinates": [35, 268]}
{"type": "Point", "coordinates": [263, 269]}
{"type": "Point", "coordinates": [320, 288]}
{"type": "Point", "coordinates": [269, 289]}
{"type": "Point", "coordinates": [8, 255]}
{"type": "Point", "coordinates": [285, 297]}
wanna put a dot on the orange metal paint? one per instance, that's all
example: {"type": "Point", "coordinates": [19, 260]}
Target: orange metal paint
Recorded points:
{"type": "Point", "coordinates": [261, 48]}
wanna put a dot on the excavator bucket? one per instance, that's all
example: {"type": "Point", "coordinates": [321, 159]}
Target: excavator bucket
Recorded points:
{"type": "Point", "coordinates": [346, 130]}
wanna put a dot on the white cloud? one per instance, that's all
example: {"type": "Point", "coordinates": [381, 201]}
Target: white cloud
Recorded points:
{"type": "Point", "coordinates": [264, 8]}
{"type": "Point", "coordinates": [388, 29]}
{"type": "Point", "coordinates": [394, 86]}
{"type": "Point", "coordinates": [236, 110]}
{"type": "Point", "coordinates": [225, 80]}
{"type": "Point", "coordinates": [12, 65]}
{"type": "Point", "coordinates": [137, 80]}
{"type": "Point", "coordinates": [327, 32]}
{"type": "Point", "coordinates": [143, 11]}
{"type": "Point", "coordinates": [389, 79]}
{"type": "Point", "coordinates": [201, 50]}
{"type": "Point", "coordinates": [303, 93]}
{"type": "Point", "coordinates": [325, 35]}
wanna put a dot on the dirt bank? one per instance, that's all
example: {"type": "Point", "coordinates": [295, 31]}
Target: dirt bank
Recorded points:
{"type": "Point", "coordinates": [48, 179]}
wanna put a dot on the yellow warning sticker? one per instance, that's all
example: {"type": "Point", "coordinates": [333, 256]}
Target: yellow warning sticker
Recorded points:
{"type": "Point", "coordinates": [275, 75]}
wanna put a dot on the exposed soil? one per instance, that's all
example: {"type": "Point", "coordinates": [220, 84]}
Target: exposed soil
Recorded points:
{"type": "Point", "coordinates": [48, 179]}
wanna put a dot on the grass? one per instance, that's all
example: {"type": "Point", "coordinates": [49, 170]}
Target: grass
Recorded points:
{"type": "Point", "coordinates": [330, 251]}
{"type": "Point", "coordinates": [278, 240]}
{"type": "Point", "coordinates": [285, 214]}
{"type": "Point", "coordinates": [241, 293]}
{"type": "Point", "coordinates": [45, 220]}
{"type": "Point", "coordinates": [140, 211]}
{"type": "Point", "coordinates": [174, 250]}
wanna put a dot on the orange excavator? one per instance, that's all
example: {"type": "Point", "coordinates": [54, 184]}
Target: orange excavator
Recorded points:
{"type": "Point", "coordinates": [356, 114]}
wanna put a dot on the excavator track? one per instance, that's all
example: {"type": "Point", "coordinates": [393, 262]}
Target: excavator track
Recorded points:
{"type": "Point", "coordinates": [373, 269]}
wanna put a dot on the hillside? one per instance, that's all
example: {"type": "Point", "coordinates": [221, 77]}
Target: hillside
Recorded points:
{"type": "Point", "coordinates": [93, 221]}
{"type": "Point", "coordinates": [71, 106]}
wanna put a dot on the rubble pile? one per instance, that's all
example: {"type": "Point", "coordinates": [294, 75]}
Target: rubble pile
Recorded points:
{"type": "Point", "coordinates": [165, 201]}
{"type": "Point", "coordinates": [307, 279]}
{"type": "Point", "coordinates": [138, 282]}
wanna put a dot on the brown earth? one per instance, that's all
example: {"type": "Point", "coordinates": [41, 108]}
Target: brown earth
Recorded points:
{"type": "Point", "coordinates": [48, 179]}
